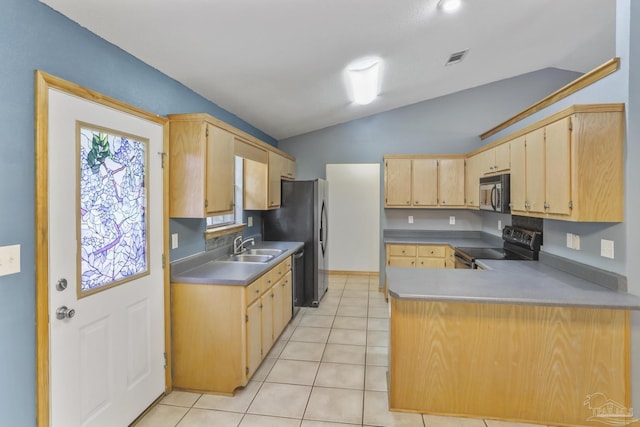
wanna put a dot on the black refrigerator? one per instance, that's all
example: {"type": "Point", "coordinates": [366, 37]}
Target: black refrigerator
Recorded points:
{"type": "Point", "coordinates": [302, 217]}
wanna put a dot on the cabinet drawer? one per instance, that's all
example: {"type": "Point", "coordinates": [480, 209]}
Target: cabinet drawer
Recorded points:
{"type": "Point", "coordinates": [268, 280]}
{"type": "Point", "coordinates": [253, 291]}
{"type": "Point", "coordinates": [431, 263]}
{"type": "Point", "coordinates": [402, 250]}
{"type": "Point", "coordinates": [401, 262]}
{"type": "Point", "coordinates": [431, 251]}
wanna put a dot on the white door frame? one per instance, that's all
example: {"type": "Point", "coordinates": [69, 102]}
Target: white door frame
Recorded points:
{"type": "Point", "coordinates": [44, 82]}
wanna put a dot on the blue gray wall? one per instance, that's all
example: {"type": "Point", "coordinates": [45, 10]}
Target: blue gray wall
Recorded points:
{"type": "Point", "coordinates": [33, 36]}
{"type": "Point", "coordinates": [446, 125]}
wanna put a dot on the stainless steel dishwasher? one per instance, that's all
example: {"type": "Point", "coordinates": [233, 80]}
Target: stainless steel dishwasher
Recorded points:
{"type": "Point", "coordinates": [297, 273]}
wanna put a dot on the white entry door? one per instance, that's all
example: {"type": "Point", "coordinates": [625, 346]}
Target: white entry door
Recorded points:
{"type": "Point", "coordinates": [106, 241]}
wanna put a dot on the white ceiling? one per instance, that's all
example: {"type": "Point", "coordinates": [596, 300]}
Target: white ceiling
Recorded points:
{"type": "Point", "coordinates": [279, 64]}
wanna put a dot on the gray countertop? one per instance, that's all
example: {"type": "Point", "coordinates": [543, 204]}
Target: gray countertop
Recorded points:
{"type": "Point", "coordinates": [203, 268]}
{"type": "Point", "coordinates": [474, 239]}
{"type": "Point", "coordinates": [505, 282]}
{"type": "Point", "coordinates": [502, 282]}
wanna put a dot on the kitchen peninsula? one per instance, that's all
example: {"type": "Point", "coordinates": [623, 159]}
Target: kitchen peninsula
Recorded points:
{"type": "Point", "coordinates": [518, 340]}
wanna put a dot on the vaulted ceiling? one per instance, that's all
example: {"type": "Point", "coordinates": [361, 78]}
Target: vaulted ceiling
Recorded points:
{"type": "Point", "coordinates": [280, 64]}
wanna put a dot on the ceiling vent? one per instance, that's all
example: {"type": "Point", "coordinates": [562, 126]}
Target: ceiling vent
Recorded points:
{"type": "Point", "coordinates": [456, 57]}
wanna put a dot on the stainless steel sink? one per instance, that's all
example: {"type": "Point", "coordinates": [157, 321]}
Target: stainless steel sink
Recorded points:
{"type": "Point", "coordinates": [272, 252]}
{"type": "Point", "coordinates": [250, 258]}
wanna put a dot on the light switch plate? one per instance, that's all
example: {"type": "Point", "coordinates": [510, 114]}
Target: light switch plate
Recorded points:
{"type": "Point", "coordinates": [570, 240]}
{"type": "Point", "coordinates": [499, 224]}
{"type": "Point", "coordinates": [410, 219]}
{"type": "Point", "coordinates": [606, 248]}
{"type": "Point", "coordinates": [174, 241]}
{"type": "Point", "coordinates": [9, 260]}
{"type": "Point", "coordinates": [250, 221]}
{"type": "Point", "coordinates": [452, 220]}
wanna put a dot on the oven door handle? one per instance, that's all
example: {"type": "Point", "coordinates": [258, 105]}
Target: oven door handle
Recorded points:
{"type": "Point", "coordinates": [464, 261]}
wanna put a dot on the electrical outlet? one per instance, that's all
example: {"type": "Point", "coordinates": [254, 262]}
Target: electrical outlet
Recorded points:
{"type": "Point", "coordinates": [250, 221]}
{"type": "Point", "coordinates": [499, 224]}
{"type": "Point", "coordinates": [576, 242]}
{"type": "Point", "coordinates": [570, 240]}
{"type": "Point", "coordinates": [606, 248]}
{"type": "Point", "coordinates": [9, 260]}
{"type": "Point", "coordinates": [410, 219]}
{"type": "Point", "coordinates": [452, 220]}
{"type": "Point", "coordinates": [174, 241]}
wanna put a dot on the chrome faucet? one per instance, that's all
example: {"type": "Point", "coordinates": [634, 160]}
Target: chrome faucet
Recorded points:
{"type": "Point", "coordinates": [239, 244]}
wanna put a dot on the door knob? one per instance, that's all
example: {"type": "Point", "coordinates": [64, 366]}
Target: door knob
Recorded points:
{"type": "Point", "coordinates": [65, 313]}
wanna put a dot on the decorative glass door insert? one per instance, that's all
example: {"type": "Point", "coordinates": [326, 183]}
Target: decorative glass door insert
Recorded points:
{"type": "Point", "coordinates": [112, 226]}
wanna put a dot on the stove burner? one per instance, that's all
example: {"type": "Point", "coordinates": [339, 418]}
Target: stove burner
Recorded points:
{"type": "Point", "coordinates": [519, 244]}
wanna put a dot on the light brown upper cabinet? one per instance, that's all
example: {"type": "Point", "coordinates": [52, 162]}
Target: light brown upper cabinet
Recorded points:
{"type": "Point", "coordinates": [570, 167]}
{"type": "Point", "coordinates": [397, 183]}
{"type": "Point", "coordinates": [472, 176]}
{"type": "Point", "coordinates": [262, 180]}
{"type": "Point", "coordinates": [201, 157]}
{"type": "Point", "coordinates": [496, 159]}
{"type": "Point", "coordinates": [424, 182]}
{"type": "Point", "coordinates": [424, 188]}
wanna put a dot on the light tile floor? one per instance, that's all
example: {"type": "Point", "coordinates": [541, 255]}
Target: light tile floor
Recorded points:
{"type": "Point", "coordinates": [328, 369]}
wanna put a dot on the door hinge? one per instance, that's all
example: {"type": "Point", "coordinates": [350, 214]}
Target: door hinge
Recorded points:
{"type": "Point", "coordinates": [570, 204]}
{"type": "Point", "coordinates": [570, 125]}
{"type": "Point", "coordinates": [164, 261]}
{"type": "Point", "coordinates": [206, 132]}
{"type": "Point", "coordinates": [246, 369]}
{"type": "Point", "coordinates": [162, 157]}
{"type": "Point", "coordinates": [246, 318]}
{"type": "Point", "coordinates": [206, 203]}
{"type": "Point", "coordinates": [165, 360]}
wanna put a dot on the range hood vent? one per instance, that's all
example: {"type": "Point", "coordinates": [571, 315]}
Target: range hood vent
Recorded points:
{"type": "Point", "coordinates": [456, 57]}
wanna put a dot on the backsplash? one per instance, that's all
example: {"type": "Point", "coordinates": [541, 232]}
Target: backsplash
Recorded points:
{"type": "Point", "coordinates": [221, 241]}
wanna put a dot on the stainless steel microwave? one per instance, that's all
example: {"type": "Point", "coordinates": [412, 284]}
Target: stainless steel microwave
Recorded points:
{"type": "Point", "coordinates": [495, 193]}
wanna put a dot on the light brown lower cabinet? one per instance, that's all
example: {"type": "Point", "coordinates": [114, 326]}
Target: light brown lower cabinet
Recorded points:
{"type": "Point", "coordinates": [221, 333]}
{"type": "Point", "coordinates": [536, 364]}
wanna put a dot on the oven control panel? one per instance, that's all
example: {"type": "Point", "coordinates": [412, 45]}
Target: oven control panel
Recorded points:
{"type": "Point", "coordinates": [522, 237]}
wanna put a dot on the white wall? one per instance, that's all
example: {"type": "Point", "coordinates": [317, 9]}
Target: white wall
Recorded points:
{"type": "Point", "coordinates": [354, 217]}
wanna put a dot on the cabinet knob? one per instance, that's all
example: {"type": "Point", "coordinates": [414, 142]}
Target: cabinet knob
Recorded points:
{"type": "Point", "coordinates": [257, 291]}
{"type": "Point", "coordinates": [408, 202]}
{"type": "Point", "coordinates": [546, 205]}
{"type": "Point", "coordinates": [443, 202]}
{"type": "Point", "coordinates": [416, 202]}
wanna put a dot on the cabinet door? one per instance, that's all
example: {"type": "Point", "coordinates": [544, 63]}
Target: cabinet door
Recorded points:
{"type": "Point", "coordinates": [256, 185]}
{"type": "Point", "coordinates": [502, 157]}
{"type": "Point", "coordinates": [254, 337]}
{"type": "Point", "coordinates": [397, 182]}
{"type": "Point", "coordinates": [487, 162]}
{"type": "Point", "coordinates": [220, 171]}
{"type": "Point", "coordinates": [472, 181]}
{"type": "Point", "coordinates": [278, 303]}
{"type": "Point", "coordinates": [287, 299]}
{"type": "Point", "coordinates": [535, 171]}
{"type": "Point", "coordinates": [425, 182]}
{"type": "Point", "coordinates": [451, 182]}
{"type": "Point", "coordinates": [275, 172]}
{"type": "Point", "coordinates": [558, 167]}
{"type": "Point", "coordinates": [401, 262]}
{"type": "Point", "coordinates": [290, 169]}
{"type": "Point", "coordinates": [431, 263]}
{"type": "Point", "coordinates": [518, 176]}
{"type": "Point", "coordinates": [266, 301]}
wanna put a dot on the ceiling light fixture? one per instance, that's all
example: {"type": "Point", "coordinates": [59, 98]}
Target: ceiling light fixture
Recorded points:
{"type": "Point", "coordinates": [364, 76]}
{"type": "Point", "coordinates": [450, 6]}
